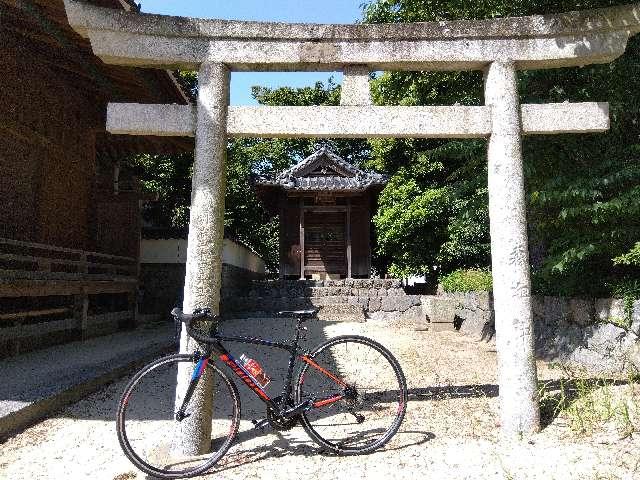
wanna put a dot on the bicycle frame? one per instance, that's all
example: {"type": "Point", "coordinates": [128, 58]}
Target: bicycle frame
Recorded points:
{"type": "Point", "coordinates": [237, 368]}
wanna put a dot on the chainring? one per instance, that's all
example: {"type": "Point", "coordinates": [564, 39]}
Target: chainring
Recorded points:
{"type": "Point", "coordinates": [278, 422]}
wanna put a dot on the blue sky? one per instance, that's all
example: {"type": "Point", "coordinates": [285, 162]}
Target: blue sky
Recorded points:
{"type": "Point", "coordinates": [308, 11]}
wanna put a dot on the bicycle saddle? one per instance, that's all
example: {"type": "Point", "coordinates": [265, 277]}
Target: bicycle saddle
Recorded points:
{"type": "Point", "coordinates": [302, 314]}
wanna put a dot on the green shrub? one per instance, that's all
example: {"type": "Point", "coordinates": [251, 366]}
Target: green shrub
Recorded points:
{"type": "Point", "coordinates": [472, 280]}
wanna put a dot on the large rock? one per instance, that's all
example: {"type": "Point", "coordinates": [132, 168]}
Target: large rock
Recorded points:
{"type": "Point", "coordinates": [399, 303]}
{"type": "Point", "coordinates": [412, 315]}
{"type": "Point", "coordinates": [439, 312]}
{"type": "Point", "coordinates": [473, 313]}
{"type": "Point", "coordinates": [375, 303]}
{"type": "Point", "coordinates": [635, 319]}
{"type": "Point", "coordinates": [633, 356]}
{"type": "Point", "coordinates": [608, 309]}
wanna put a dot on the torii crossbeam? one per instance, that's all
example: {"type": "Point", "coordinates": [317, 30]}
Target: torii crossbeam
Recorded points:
{"type": "Point", "coordinates": [499, 47]}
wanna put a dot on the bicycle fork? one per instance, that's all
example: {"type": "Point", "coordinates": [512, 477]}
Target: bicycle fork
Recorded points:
{"type": "Point", "coordinates": [195, 377]}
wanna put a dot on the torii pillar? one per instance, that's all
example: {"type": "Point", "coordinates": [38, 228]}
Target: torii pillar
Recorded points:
{"type": "Point", "coordinates": [206, 235]}
{"type": "Point", "coordinates": [517, 377]}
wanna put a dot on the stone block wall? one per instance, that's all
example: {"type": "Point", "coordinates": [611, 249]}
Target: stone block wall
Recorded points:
{"type": "Point", "coordinates": [590, 332]}
{"type": "Point", "coordinates": [375, 298]}
{"type": "Point", "coordinates": [593, 333]}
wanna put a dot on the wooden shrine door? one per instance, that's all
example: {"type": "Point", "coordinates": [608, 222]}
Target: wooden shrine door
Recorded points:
{"type": "Point", "coordinates": [325, 243]}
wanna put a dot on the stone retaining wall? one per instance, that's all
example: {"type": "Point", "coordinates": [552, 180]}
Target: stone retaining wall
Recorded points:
{"type": "Point", "coordinates": [594, 333]}
{"type": "Point", "coordinates": [372, 297]}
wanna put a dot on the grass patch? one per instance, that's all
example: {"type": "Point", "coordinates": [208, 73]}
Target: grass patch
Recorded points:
{"type": "Point", "coordinates": [592, 405]}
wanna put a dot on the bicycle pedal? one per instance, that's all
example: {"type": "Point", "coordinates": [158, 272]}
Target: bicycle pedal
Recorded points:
{"type": "Point", "coordinates": [260, 424]}
{"type": "Point", "coordinates": [181, 416]}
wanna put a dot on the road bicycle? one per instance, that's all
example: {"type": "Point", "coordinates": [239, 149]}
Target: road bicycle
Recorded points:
{"type": "Point", "coordinates": [349, 395]}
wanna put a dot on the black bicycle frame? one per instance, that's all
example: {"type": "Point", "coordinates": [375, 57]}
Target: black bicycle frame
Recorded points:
{"type": "Point", "coordinates": [248, 379]}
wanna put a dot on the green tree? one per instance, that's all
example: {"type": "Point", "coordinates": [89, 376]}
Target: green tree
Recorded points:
{"type": "Point", "coordinates": [583, 189]}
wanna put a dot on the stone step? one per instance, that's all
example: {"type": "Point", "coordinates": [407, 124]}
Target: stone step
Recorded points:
{"type": "Point", "coordinates": [342, 312]}
{"type": "Point", "coordinates": [325, 288]}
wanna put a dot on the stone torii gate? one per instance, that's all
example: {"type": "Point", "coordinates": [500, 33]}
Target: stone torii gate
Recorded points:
{"type": "Point", "coordinates": [499, 47]}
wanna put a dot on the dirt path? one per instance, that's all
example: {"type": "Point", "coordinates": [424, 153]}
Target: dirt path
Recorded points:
{"type": "Point", "coordinates": [450, 430]}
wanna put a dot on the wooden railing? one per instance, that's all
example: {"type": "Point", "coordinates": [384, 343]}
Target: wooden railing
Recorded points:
{"type": "Point", "coordinates": [41, 259]}
{"type": "Point", "coordinates": [50, 294]}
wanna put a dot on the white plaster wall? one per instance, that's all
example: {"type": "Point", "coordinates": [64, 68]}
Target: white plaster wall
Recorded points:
{"type": "Point", "coordinates": [175, 251]}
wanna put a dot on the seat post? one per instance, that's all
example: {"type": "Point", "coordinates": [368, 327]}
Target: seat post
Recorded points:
{"type": "Point", "coordinates": [299, 328]}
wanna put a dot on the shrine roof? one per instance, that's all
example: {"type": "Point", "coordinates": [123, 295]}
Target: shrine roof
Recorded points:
{"type": "Point", "coordinates": [324, 171]}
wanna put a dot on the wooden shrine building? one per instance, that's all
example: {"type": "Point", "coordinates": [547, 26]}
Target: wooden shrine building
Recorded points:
{"type": "Point", "coordinates": [325, 206]}
{"type": "Point", "coordinates": [69, 206]}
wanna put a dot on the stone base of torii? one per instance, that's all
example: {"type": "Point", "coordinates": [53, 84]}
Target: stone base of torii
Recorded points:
{"type": "Point", "coordinates": [499, 47]}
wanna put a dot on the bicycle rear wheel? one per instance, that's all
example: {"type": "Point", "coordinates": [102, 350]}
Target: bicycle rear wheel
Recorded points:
{"type": "Point", "coordinates": [146, 420]}
{"type": "Point", "coordinates": [359, 395]}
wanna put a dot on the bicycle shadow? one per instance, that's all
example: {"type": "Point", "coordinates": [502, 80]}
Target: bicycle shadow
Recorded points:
{"type": "Point", "coordinates": [284, 444]}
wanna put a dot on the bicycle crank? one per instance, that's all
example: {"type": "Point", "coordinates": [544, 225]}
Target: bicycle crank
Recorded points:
{"type": "Point", "coordinates": [359, 417]}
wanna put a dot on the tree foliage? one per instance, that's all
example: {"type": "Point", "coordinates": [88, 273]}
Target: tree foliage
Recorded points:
{"type": "Point", "coordinates": [583, 190]}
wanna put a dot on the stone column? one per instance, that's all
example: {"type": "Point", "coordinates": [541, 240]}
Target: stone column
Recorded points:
{"type": "Point", "coordinates": [355, 86]}
{"type": "Point", "coordinates": [517, 377]}
{"type": "Point", "coordinates": [204, 253]}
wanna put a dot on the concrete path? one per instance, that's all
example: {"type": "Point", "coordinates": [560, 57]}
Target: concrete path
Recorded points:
{"type": "Point", "coordinates": [37, 384]}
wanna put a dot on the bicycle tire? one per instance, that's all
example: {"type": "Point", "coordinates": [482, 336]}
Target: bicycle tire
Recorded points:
{"type": "Point", "coordinates": [312, 419]}
{"type": "Point", "coordinates": [130, 427]}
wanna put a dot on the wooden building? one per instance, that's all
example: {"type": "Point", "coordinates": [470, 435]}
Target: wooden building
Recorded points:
{"type": "Point", "coordinates": [325, 206]}
{"type": "Point", "coordinates": [69, 209]}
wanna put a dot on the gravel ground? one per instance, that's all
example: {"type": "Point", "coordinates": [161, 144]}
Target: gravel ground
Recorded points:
{"type": "Point", "coordinates": [450, 430]}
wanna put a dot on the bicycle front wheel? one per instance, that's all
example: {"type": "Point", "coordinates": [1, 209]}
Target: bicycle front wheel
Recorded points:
{"type": "Point", "coordinates": [358, 392]}
{"type": "Point", "coordinates": [151, 436]}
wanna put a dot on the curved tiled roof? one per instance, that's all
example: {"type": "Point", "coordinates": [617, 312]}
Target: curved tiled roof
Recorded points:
{"type": "Point", "coordinates": [324, 171]}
